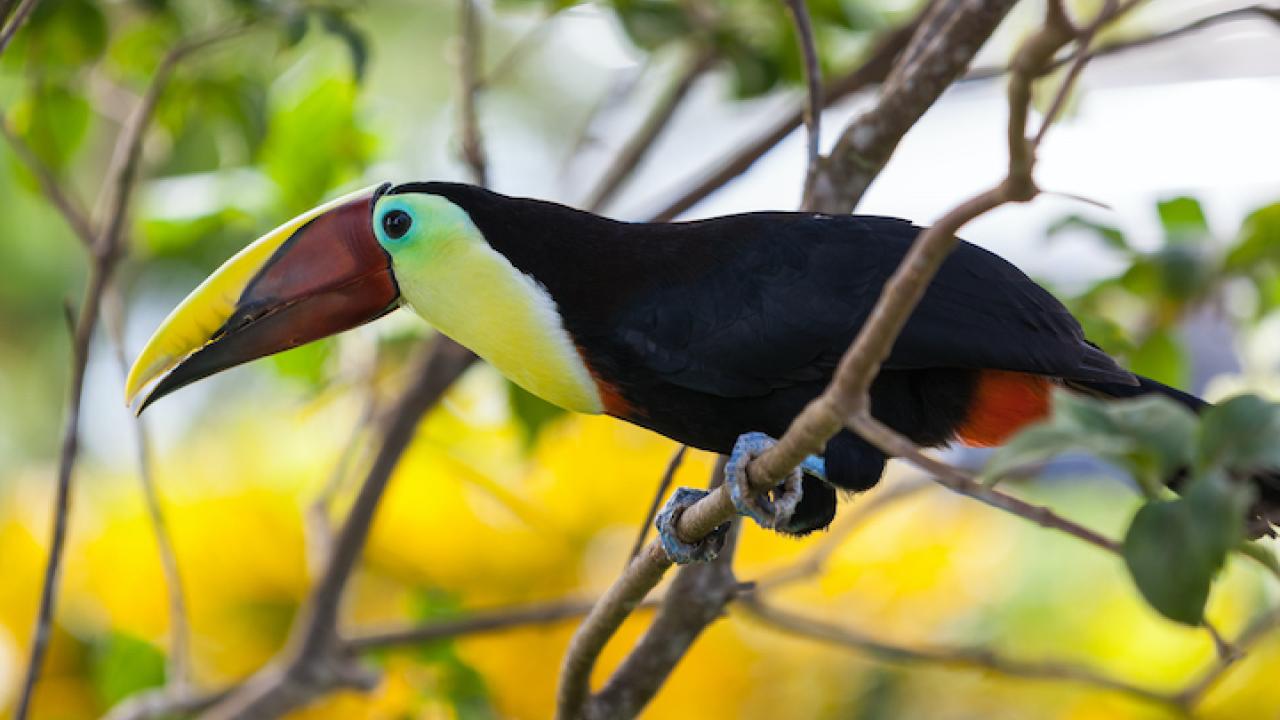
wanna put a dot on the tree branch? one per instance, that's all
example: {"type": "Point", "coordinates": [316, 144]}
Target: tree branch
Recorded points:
{"type": "Point", "coordinates": [471, 624]}
{"type": "Point", "coordinates": [939, 53]}
{"type": "Point", "coordinates": [696, 598]}
{"type": "Point", "coordinates": [315, 661]}
{"type": "Point", "coordinates": [469, 67]}
{"type": "Point", "coordinates": [977, 657]}
{"type": "Point", "coordinates": [19, 18]}
{"type": "Point", "coordinates": [179, 655]}
{"type": "Point", "coordinates": [668, 476]}
{"type": "Point", "coordinates": [845, 402]}
{"type": "Point", "coordinates": [872, 71]}
{"type": "Point", "coordinates": [659, 118]}
{"type": "Point", "coordinates": [67, 206]}
{"type": "Point", "coordinates": [799, 12]}
{"type": "Point", "coordinates": [105, 251]}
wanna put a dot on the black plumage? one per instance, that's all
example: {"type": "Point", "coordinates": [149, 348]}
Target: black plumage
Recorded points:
{"type": "Point", "coordinates": [712, 328]}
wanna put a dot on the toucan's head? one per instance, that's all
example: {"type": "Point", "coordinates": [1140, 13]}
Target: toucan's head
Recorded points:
{"type": "Point", "coordinates": [328, 270]}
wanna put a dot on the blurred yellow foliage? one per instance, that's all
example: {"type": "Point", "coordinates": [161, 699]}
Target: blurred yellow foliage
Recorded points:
{"type": "Point", "coordinates": [473, 521]}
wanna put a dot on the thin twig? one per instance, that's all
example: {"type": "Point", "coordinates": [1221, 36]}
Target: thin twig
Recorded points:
{"type": "Point", "coordinates": [1254, 632]}
{"type": "Point", "coordinates": [68, 207]}
{"type": "Point", "coordinates": [975, 657]}
{"type": "Point", "coordinates": [472, 624]}
{"type": "Point", "coordinates": [799, 11]}
{"type": "Point", "coordinates": [870, 72]}
{"type": "Point", "coordinates": [178, 674]}
{"type": "Point", "coordinates": [314, 663]}
{"type": "Point", "coordinates": [105, 251]}
{"type": "Point", "coordinates": [939, 54]}
{"type": "Point", "coordinates": [659, 118]}
{"type": "Point", "coordinates": [511, 60]}
{"type": "Point", "coordinates": [845, 402]}
{"type": "Point", "coordinates": [668, 476]}
{"type": "Point", "coordinates": [573, 698]}
{"type": "Point", "coordinates": [19, 18]}
{"type": "Point", "coordinates": [469, 67]}
{"type": "Point", "coordinates": [697, 597]}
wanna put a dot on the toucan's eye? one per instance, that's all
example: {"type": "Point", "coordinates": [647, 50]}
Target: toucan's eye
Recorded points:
{"type": "Point", "coordinates": [396, 223]}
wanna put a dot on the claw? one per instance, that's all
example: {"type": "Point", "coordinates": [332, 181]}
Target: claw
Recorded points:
{"type": "Point", "coordinates": [772, 509]}
{"type": "Point", "coordinates": [681, 552]}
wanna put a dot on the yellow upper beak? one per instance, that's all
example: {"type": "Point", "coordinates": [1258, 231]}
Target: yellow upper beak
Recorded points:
{"type": "Point", "coordinates": [202, 318]}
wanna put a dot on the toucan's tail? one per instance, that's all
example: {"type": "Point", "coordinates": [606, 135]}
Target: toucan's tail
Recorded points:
{"type": "Point", "coordinates": [1264, 516]}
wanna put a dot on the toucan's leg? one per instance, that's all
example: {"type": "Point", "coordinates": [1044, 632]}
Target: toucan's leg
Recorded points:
{"type": "Point", "coordinates": [771, 510]}
{"type": "Point", "coordinates": [852, 463]}
{"type": "Point", "coordinates": [681, 552]}
{"type": "Point", "coordinates": [816, 509]}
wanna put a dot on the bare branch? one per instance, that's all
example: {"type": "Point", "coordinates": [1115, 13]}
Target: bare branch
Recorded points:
{"type": "Point", "coordinates": [696, 598]}
{"type": "Point", "coordinates": [1257, 629]}
{"type": "Point", "coordinates": [61, 199]}
{"type": "Point", "coordinates": [977, 657]}
{"type": "Point", "coordinates": [315, 662]}
{"type": "Point", "coordinates": [668, 476]}
{"type": "Point", "coordinates": [874, 70]}
{"type": "Point", "coordinates": [939, 53]}
{"type": "Point", "coordinates": [19, 18]}
{"type": "Point", "coordinates": [105, 253]}
{"type": "Point", "coordinates": [659, 118]}
{"type": "Point", "coordinates": [601, 623]}
{"type": "Point", "coordinates": [845, 402]}
{"type": "Point", "coordinates": [469, 67]}
{"type": "Point", "coordinates": [179, 655]}
{"type": "Point", "coordinates": [511, 60]}
{"type": "Point", "coordinates": [799, 11]}
{"type": "Point", "coordinates": [471, 624]}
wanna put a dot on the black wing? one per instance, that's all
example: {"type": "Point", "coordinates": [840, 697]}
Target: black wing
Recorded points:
{"type": "Point", "coordinates": [782, 295]}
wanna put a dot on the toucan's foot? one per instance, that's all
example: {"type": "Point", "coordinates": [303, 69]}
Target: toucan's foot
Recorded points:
{"type": "Point", "coordinates": [681, 552]}
{"type": "Point", "coordinates": [771, 510]}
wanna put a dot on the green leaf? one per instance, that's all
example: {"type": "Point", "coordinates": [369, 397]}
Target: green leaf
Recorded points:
{"type": "Point", "coordinates": [339, 25]}
{"type": "Point", "coordinates": [306, 364]}
{"type": "Point", "coordinates": [54, 120]}
{"type": "Point", "coordinates": [293, 29]}
{"type": "Point", "coordinates": [1162, 431]}
{"type": "Point", "coordinates": [532, 412]}
{"type": "Point", "coordinates": [313, 142]}
{"type": "Point", "coordinates": [1259, 240]}
{"type": "Point", "coordinates": [66, 34]}
{"type": "Point", "coordinates": [1183, 219]}
{"type": "Point", "coordinates": [1152, 437]}
{"type": "Point", "coordinates": [121, 665]}
{"type": "Point", "coordinates": [651, 24]}
{"type": "Point", "coordinates": [1161, 357]}
{"type": "Point", "coordinates": [1240, 434]}
{"type": "Point", "coordinates": [1042, 441]}
{"type": "Point", "coordinates": [1185, 270]}
{"type": "Point", "coordinates": [1174, 549]}
{"type": "Point", "coordinates": [1112, 236]}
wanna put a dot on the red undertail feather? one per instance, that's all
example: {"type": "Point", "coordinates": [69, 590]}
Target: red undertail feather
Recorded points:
{"type": "Point", "coordinates": [1003, 403]}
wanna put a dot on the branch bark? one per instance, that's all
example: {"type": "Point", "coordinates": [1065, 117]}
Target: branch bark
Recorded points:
{"type": "Point", "coordinates": [315, 662]}
{"type": "Point", "coordinates": [19, 19]}
{"type": "Point", "coordinates": [659, 118]}
{"type": "Point", "coordinates": [939, 53]}
{"type": "Point", "coordinates": [872, 71]}
{"type": "Point", "coordinates": [799, 12]}
{"type": "Point", "coordinates": [105, 251]}
{"type": "Point", "coordinates": [845, 402]}
{"type": "Point", "coordinates": [469, 67]}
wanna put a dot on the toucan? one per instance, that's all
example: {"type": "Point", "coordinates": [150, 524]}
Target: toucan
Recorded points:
{"type": "Point", "coordinates": [715, 333]}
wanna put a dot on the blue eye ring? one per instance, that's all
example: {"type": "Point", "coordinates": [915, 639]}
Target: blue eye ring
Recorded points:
{"type": "Point", "coordinates": [396, 223]}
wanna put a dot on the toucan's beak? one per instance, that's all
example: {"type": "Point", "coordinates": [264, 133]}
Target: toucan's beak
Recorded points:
{"type": "Point", "coordinates": [318, 274]}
